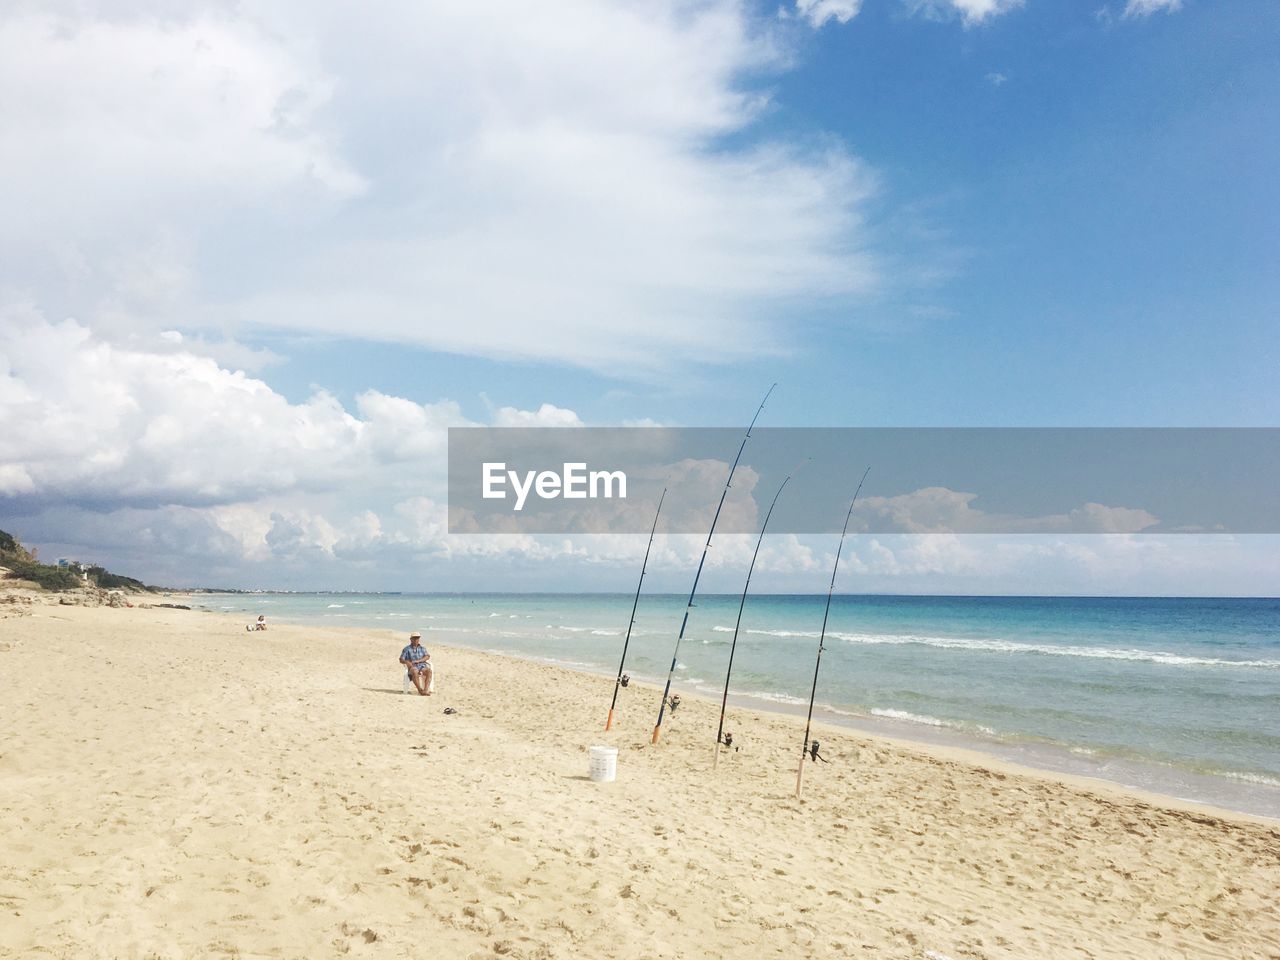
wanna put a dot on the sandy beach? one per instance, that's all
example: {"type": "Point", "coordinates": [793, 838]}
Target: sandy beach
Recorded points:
{"type": "Point", "coordinates": [172, 786]}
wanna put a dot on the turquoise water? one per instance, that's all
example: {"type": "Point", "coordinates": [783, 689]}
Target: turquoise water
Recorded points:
{"type": "Point", "coordinates": [1177, 695]}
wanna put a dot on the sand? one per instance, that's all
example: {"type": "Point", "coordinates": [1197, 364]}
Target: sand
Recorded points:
{"type": "Point", "coordinates": [172, 786]}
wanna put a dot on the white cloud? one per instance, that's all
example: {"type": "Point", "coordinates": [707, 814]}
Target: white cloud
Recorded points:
{"type": "Point", "coordinates": [547, 415]}
{"type": "Point", "coordinates": [293, 537]}
{"type": "Point", "coordinates": [818, 12]}
{"type": "Point", "coordinates": [492, 179]}
{"type": "Point", "coordinates": [970, 11]}
{"type": "Point", "coordinates": [167, 466]}
{"type": "Point", "coordinates": [88, 421]}
{"type": "Point", "coordinates": [132, 138]}
{"type": "Point", "coordinates": [1144, 8]}
{"type": "Point", "coordinates": [407, 547]}
{"type": "Point", "coordinates": [136, 113]}
{"type": "Point", "coordinates": [396, 429]}
{"type": "Point", "coordinates": [938, 510]}
{"type": "Point", "coordinates": [1098, 565]}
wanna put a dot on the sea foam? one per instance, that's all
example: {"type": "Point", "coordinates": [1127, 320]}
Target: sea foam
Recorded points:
{"type": "Point", "coordinates": [1012, 646]}
{"type": "Point", "coordinates": [1045, 649]}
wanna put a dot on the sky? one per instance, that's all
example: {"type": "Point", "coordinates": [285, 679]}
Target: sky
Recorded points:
{"type": "Point", "coordinates": [255, 262]}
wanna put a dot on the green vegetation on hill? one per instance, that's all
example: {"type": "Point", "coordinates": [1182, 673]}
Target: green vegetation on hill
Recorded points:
{"type": "Point", "coordinates": [49, 577]}
{"type": "Point", "coordinates": [113, 581]}
{"type": "Point", "coordinates": [23, 565]}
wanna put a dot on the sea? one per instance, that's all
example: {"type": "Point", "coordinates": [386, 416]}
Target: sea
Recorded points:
{"type": "Point", "coordinates": [1176, 696]}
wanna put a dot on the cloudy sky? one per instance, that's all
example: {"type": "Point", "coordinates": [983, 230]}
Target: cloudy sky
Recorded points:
{"type": "Point", "coordinates": [255, 262]}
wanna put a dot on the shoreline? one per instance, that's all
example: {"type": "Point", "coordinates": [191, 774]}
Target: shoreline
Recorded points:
{"type": "Point", "coordinates": [831, 724]}
{"type": "Point", "coordinates": [959, 753]}
{"type": "Point", "coordinates": [1220, 791]}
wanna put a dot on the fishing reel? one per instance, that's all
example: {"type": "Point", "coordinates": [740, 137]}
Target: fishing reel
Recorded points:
{"type": "Point", "coordinates": [625, 679]}
{"type": "Point", "coordinates": [813, 752]}
{"type": "Point", "coordinates": [673, 702]}
{"type": "Point", "coordinates": [727, 740]}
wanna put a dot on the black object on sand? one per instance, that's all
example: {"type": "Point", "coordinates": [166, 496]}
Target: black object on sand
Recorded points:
{"type": "Point", "coordinates": [823, 635]}
{"type": "Point", "coordinates": [657, 727]}
{"type": "Point", "coordinates": [623, 679]}
{"type": "Point", "coordinates": [724, 701]}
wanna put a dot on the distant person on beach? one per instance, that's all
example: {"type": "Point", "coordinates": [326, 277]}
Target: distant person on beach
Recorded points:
{"type": "Point", "coordinates": [260, 625]}
{"type": "Point", "coordinates": [418, 662]}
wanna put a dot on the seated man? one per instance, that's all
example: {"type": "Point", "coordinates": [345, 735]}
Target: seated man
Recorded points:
{"type": "Point", "coordinates": [418, 662]}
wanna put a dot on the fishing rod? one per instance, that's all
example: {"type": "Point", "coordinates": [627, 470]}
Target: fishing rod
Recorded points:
{"type": "Point", "coordinates": [657, 729]}
{"type": "Point", "coordinates": [636, 603]}
{"type": "Point", "coordinates": [823, 635]}
{"type": "Point", "coordinates": [724, 702]}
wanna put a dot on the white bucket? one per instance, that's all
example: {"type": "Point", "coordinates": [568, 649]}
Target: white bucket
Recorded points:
{"type": "Point", "coordinates": [603, 764]}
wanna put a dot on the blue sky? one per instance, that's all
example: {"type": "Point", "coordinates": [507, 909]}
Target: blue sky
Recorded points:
{"type": "Point", "coordinates": [1087, 205]}
{"type": "Point", "coordinates": [261, 260]}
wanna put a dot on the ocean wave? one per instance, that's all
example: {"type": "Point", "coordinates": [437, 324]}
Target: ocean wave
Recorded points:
{"type": "Point", "coordinates": [577, 664]}
{"type": "Point", "coordinates": [771, 633]}
{"type": "Point", "coordinates": [892, 714]}
{"type": "Point", "coordinates": [889, 713]}
{"type": "Point", "coordinates": [1013, 646]}
{"type": "Point", "coordinates": [1046, 649]}
{"type": "Point", "coordinates": [1256, 778]}
{"type": "Point", "coordinates": [594, 631]}
{"type": "Point", "coordinates": [837, 711]}
{"type": "Point", "coordinates": [774, 697]}
{"type": "Point", "coordinates": [336, 606]}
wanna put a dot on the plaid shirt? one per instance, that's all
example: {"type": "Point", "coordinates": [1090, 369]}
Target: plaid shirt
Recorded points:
{"type": "Point", "coordinates": [414, 654]}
